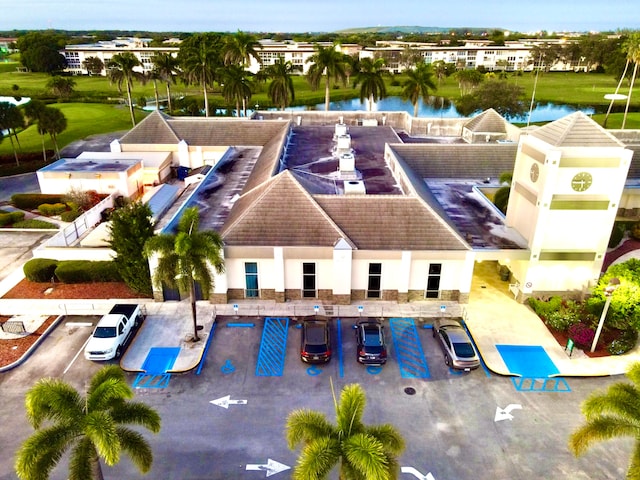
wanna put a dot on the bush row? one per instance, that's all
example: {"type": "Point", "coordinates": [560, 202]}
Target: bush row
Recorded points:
{"type": "Point", "coordinates": [31, 201]}
{"type": "Point", "coordinates": [51, 209]}
{"type": "Point", "coordinates": [71, 271]}
{"type": "Point", "coordinates": [10, 218]}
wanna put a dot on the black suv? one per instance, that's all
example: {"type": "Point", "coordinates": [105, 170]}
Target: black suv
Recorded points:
{"type": "Point", "coordinates": [372, 349]}
{"type": "Point", "coordinates": [316, 342]}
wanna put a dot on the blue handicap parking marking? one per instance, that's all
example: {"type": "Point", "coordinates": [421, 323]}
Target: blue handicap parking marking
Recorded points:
{"type": "Point", "coordinates": [156, 367]}
{"type": "Point", "coordinates": [313, 371]}
{"type": "Point", "coordinates": [273, 347]}
{"type": "Point", "coordinates": [371, 370]}
{"type": "Point", "coordinates": [228, 367]}
{"type": "Point", "coordinates": [535, 370]}
{"type": "Point", "coordinates": [409, 353]}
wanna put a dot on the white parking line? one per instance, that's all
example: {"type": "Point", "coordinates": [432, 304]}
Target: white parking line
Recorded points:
{"type": "Point", "coordinates": [76, 356]}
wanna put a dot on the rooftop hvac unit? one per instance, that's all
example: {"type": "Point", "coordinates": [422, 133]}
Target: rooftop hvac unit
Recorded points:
{"type": "Point", "coordinates": [343, 142]}
{"type": "Point", "coordinates": [341, 129]}
{"type": "Point", "coordinates": [354, 187]}
{"type": "Point", "coordinates": [347, 163]}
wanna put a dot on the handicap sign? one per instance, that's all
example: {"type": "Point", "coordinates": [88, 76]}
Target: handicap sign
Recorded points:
{"type": "Point", "coordinates": [443, 308]}
{"type": "Point", "coordinates": [373, 370]}
{"type": "Point", "coordinates": [360, 309]}
{"type": "Point", "coordinates": [235, 307]}
{"type": "Point", "coordinates": [313, 371]}
{"type": "Point", "coordinates": [316, 308]}
{"type": "Point", "coordinates": [227, 367]}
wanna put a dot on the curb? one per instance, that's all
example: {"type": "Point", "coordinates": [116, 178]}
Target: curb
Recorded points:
{"type": "Point", "coordinates": [32, 348]}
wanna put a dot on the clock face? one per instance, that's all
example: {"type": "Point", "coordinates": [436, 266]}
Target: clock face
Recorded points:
{"type": "Point", "coordinates": [581, 181]}
{"type": "Point", "coordinates": [534, 173]}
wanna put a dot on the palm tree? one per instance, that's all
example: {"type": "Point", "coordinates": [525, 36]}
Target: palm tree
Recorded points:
{"type": "Point", "coordinates": [165, 65]}
{"type": "Point", "coordinates": [419, 84]}
{"type": "Point", "coordinates": [153, 76]}
{"type": "Point", "coordinates": [239, 48]}
{"type": "Point", "coordinates": [330, 64]}
{"type": "Point", "coordinates": [199, 58]}
{"type": "Point", "coordinates": [53, 122]}
{"type": "Point", "coordinates": [10, 119]}
{"type": "Point", "coordinates": [236, 86]}
{"type": "Point", "coordinates": [611, 414]}
{"type": "Point", "coordinates": [93, 426]}
{"type": "Point", "coordinates": [121, 70]}
{"type": "Point", "coordinates": [370, 77]}
{"type": "Point", "coordinates": [34, 110]}
{"type": "Point", "coordinates": [363, 452]}
{"type": "Point", "coordinates": [632, 46]}
{"type": "Point", "coordinates": [186, 257]}
{"type": "Point", "coordinates": [280, 90]}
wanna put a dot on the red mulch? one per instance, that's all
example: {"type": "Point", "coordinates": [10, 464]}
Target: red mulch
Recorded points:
{"type": "Point", "coordinates": [12, 350]}
{"type": "Point", "coordinates": [601, 351]}
{"type": "Point", "coordinates": [27, 289]}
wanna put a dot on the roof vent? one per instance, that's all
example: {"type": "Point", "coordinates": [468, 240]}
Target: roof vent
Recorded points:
{"type": "Point", "coordinates": [354, 187]}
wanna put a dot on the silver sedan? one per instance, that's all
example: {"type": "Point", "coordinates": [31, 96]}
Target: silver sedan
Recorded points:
{"type": "Point", "coordinates": [459, 352]}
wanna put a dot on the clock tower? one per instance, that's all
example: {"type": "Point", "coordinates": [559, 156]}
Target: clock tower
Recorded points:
{"type": "Point", "coordinates": [567, 183]}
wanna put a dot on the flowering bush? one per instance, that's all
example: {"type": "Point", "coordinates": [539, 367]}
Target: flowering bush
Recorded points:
{"type": "Point", "coordinates": [581, 334]}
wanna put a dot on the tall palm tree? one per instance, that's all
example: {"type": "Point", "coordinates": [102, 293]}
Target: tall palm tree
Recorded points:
{"type": "Point", "coordinates": [11, 118]}
{"type": "Point", "coordinates": [53, 122]}
{"type": "Point", "coordinates": [186, 257]}
{"type": "Point", "coordinates": [199, 59]}
{"type": "Point", "coordinates": [370, 77]}
{"type": "Point", "coordinates": [153, 76]}
{"type": "Point", "coordinates": [363, 452]}
{"type": "Point", "coordinates": [166, 65]}
{"type": "Point", "coordinates": [121, 70]}
{"type": "Point", "coordinates": [328, 63]}
{"type": "Point", "coordinates": [34, 110]}
{"type": "Point", "coordinates": [93, 426]}
{"type": "Point", "coordinates": [632, 46]}
{"type": "Point", "coordinates": [280, 90]}
{"type": "Point", "coordinates": [236, 86]}
{"type": "Point", "coordinates": [611, 414]}
{"type": "Point", "coordinates": [419, 84]}
{"type": "Point", "coordinates": [239, 48]}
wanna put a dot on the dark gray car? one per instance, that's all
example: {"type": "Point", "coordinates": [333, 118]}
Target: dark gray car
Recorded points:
{"type": "Point", "coordinates": [459, 352]}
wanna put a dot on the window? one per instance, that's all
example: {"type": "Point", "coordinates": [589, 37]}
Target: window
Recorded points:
{"type": "Point", "coordinates": [375, 280]}
{"type": "Point", "coordinates": [251, 280]}
{"type": "Point", "coordinates": [308, 280]}
{"type": "Point", "coordinates": [433, 281]}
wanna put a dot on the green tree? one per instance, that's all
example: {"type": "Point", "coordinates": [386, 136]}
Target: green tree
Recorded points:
{"type": "Point", "coordinates": [130, 228]}
{"type": "Point", "coordinates": [280, 89]}
{"type": "Point", "coordinates": [328, 63]}
{"type": "Point", "coordinates": [121, 69]}
{"type": "Point", "coordinates": [239, 48]}
{"type": "Point", "coordinates": [632, 46]}
{"type": "Point", "coordinates": [53, 122]}
{"type": "Point", "coordinates": [236, 86]}
{"type": "Point", "coordinates": [187, 257]}
{"type": "Point", "coordinates": [504, 97]}
{"type": "Point", "coordinates": [199, 59]}
{"type": "Point", "coordinates": [468, 80]}
{"type": "Point", "coordinates": [370, 77]}
{"type": "Point", "coordinates": [61, 86]}
{"type": "Point", "coordinates": [363, 452]}
{"type": "Point", "coordinates": [11, 119]}
{"type": "Point", "coordinates": [93, 426]}
{"type": "Point", "coordinates": [611, 414]}
{"type": "Point", "coordinates": [40, 52]}
{"type": "Point", "coordinates": [166, 65]}
{"type": "Point", "coordinates": [34, 110]}
{"type": "Point", "coordinates": [93, 65]}
{"type": "Point", "coordinates": [419, 84]}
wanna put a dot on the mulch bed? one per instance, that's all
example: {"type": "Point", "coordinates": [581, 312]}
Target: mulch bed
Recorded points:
{"type": "Point", "coordinates": [27, 289]}
{"type": "Point", "coordinates": [12, 350]}
{"type": "Point", "coordinates": [605, 338]}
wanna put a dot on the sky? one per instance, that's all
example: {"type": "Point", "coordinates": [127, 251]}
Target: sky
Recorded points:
{"type": "Point", "coordinates": [316, 15]}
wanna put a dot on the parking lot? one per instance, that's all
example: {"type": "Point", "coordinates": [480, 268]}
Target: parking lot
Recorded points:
{"type": "Point", "coordinates": [456, 425]}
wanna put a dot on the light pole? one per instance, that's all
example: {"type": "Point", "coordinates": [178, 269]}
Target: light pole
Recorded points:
{"type": "Point", "coordinates": [608, 292]}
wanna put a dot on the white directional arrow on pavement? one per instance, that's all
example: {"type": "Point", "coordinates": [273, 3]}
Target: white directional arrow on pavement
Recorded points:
{"type": "Point", "coordinates": [272, 467]}
{"type": "Point", "coordinates": [505, 414]}
{"type": "Point", "coordinates": [416, 473]}
{"type": "Point", "coordinates": [224, 402]}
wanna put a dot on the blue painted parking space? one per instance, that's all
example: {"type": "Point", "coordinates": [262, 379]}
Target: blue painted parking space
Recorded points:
{"type": "Point", "coordinates": [535, 370]}
{"type": "Point", "coordinates": [155, 367]}
{"type": "Point", "coordinates": [273, 347]}
{"type": "Point", "coordinates": [408, 348]}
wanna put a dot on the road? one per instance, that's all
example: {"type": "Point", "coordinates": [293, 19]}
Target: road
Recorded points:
{"type": "Point", "coordinates": [449, 424]}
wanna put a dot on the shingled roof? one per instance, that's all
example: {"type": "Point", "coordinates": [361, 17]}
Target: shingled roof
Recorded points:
{"type": "Point", "coordinates": [488, 121]}
{"type": "Point", "coordinates": [159, 128]}
{"type": "Point", "coordinates": [390, 222]}
{"type": "Point", "coordinates": [576, 130]}
{"type": "Point", "coordinates": [279, 213]}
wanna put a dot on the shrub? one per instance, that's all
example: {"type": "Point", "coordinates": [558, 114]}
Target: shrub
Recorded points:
{"type": "Point", "coordinates": [40, 269]}
{"type": "Point", "coordinates": [634, 231]}
{"type": "Point", "coordinates": [85, 271]}
{"type": "Point", "coordinates": [70, 215]}
{"type": "Point", "coordinates": [617, 234]}
{"type": "Point", "coordinates": [35, 224]}
{"type": "Point", "coordinates": [625, 343]}
{"type": "Point", "coordinates": [49, 210]}
{"type": "Point", "coordinates": [562, 319]}
{"type": "Point", "coordinates": [31, 201]}
{"type": "Point", "coordinates": [581, 334]}
{"type": "Point", "coordinates": [544, 308]}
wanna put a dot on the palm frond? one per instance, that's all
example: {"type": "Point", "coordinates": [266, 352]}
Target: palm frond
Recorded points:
{"type": "Point", "coordinates": [598, 429]}
{"type": "Point", "coordinates": [317, 459]}
{"type": "Point", "coordinates": [388, 436]}
{"type": "Point", "coordinates": [634, 374]}
{"type": "Point", "coordinates": [83, 455]}
{"type": "Point", "coordinates": [351, 409]}
{"type": "Point", "coordinates": [107, 392]}
{"type": "Point", "coordinates": [367, 456]}
{"type": "Point", "coordinates": [137, 413]}
{"type": "Point", "coordinates": [52, 399]}
{"type": "Point", "coordinates": [100, 428]}
{"type": "Point", "coordinates": [304, 425]}
{"type": "Point", "coordinates": [621, 399]}
{"type": "Point", "coordinates": [138, 449]}
{"type": "Point", "coordinates": [40, 453]}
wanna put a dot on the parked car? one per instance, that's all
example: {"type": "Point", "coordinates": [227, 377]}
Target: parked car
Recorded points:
{"type": "Point", "coordinates": [372, 348]}
{"type": "Point", "coordinates": [316, 341]}
{"type": "Point", "coordinates": [459, 352]}
{"type": "Point", "coordinates": [112, 332]}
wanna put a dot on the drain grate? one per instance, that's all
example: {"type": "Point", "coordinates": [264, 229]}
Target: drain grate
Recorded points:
{"type": "Point", "coordinates": [410, 391]}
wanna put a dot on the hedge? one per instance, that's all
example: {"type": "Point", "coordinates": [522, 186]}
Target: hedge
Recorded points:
{"type": "Point", "coordinates": [36, 224]}
{"type": "Point", "coordinates": [51, 209]}
{"type": "Point", "coordinates": [10, 218]}
{"type": "Point", "coordinates": [85, 271]}
{"type": "Point", "coordinates": [40, 269]}
{"type": "Point", "coordinates": [31, 201]}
